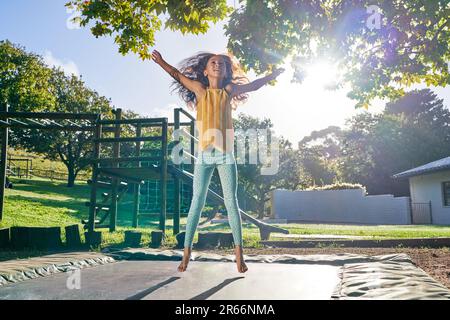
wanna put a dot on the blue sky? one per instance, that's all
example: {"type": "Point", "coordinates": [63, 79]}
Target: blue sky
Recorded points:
{"type": "Point", "coordinates": [42, 27]}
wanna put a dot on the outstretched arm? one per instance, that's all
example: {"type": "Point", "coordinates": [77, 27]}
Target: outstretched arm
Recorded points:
{"type": "Point", "coordinates": [191, 85]}
{"type": "Point", "coordinates": [256, 84]}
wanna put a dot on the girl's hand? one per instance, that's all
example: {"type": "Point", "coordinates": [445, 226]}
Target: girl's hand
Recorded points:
{"type": "Point", "coordinates": [276, 73]}
{"type": "Point", "coordinates": [156, 56]}
{"type": "Point", "coordinates": [256, 84]}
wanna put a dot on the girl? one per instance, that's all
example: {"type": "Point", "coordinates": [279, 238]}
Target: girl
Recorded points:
{"type": "Point", "coordinates": [215, 84]}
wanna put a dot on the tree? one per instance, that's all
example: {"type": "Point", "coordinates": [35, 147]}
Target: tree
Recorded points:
{"type": "Point", "coordinates": [318, 155]}
{"type": "Point", "coordinates": [426, 127]}
{"type": "Point", "coordinates": [134, 23]}
{"type": "Point", "coordinates": [356, 163]}
{"type": "Point", "coordinates": [24, 80]}
{"type": "Point", "coordinates": [421, 106]}
{"type": "Point", "coordinates": [410, 44]}
{"type": "Point", "coordinates": [73, 148]}
{"type": "Point", "coordinates": [28, 84]}
{"type": "Point", "coordinates": [378, 146]}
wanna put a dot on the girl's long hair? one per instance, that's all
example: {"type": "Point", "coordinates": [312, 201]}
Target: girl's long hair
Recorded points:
{"type": "Point", "coordinates": [193, 68]}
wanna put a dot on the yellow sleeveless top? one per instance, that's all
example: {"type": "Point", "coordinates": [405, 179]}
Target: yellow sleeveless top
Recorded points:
{"type": "Point", "coordinates": [214, 121]}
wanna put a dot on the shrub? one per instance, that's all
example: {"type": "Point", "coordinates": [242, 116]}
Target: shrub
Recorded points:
{"type": "Point", "coordinates": [338, 186]}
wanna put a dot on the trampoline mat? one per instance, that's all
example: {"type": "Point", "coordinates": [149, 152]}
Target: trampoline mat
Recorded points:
{"type": "Point", "coordinates": [154, 280]}
{"type": "Point", "coordinates": [150, 274]}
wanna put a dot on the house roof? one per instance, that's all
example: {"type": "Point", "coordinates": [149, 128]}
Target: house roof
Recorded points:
{"type": "Point", "coordinates": [438, 165]}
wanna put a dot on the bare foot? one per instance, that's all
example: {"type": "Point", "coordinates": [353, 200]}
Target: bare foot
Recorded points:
{"type": "Point", "coordinates": [185, 261]}
{"type": "Point", "coordinates": [241, 266]}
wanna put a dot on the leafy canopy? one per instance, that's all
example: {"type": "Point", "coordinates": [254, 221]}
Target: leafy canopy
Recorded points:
{"type": "Point", "coordinates": [134, 23]}
{"type": "Point", "coordinates": [409, 45]}
{"type": "Point", "coordinates": [24, 80]}
{"type": "Point", "coordinates": [379, 50]}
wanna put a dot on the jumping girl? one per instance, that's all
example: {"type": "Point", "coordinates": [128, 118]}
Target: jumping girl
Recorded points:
{"type": "Point", "coordinates": [214, 84]}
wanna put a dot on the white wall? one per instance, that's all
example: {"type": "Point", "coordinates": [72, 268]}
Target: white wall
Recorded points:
{"type": "Point", "coordinates": [340, 206]}
{"type": "Point", "coordinates": [427, 188]}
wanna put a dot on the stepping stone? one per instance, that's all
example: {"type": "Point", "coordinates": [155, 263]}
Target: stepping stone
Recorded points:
{"type": "Point", "coordinates": [226, 240]}
{"type": "Point", "coordinates": [41, 238]}
{"type": "Point", "coordinates": [180, 240]}
{"type": "Point", "coordinates": [73, 239]}
{"type": "Point", "coordinates": [4, 238]}
{"type": "Point", "coordinates": [214, 240]}
{"type": "Point", "coordinates": [157, 238]}
{"type": "Point", "coordinates": [207, 240]}
{"type": "Point", "coordinates": [132, 239]}
{"type": "Point", "coordinates": [93, 239]}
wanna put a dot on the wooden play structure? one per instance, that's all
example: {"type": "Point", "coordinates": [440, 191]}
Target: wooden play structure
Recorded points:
{"type": "Point", "coordinates": [146, 146]}
{"type": "Point", "coordinates": [15, 169]}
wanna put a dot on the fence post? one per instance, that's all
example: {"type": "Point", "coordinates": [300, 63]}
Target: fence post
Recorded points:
{"type": "Point", "coordinates": [137, 186]}
{"type": "Point", "coordinates": [163, 178]}
{"type": "Point", "coordinates": [411, 210]}
{"type": "Point", "coordinates": [4, 151]}
{"type": "Point", "coordinates": [431, 213]}
{"type": "Point", "coordinates": [115, 181]}
{"type": "Point", "coordinates": [96, 155]}
{"type": "Point", "coordinates": [176, 180]}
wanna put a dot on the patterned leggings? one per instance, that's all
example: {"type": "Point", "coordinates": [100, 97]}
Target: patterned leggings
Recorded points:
{"type": "Point", "coordinates": [203, 170]}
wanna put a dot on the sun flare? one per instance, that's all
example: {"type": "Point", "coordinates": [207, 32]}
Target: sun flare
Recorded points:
{"type": "Point", "coordinates": [321, 74]}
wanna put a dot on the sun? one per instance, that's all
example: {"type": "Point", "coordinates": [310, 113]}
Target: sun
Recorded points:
{"type": "Point", "coordinates": [321, 74]}
{"type": "Point", "coordinates": [297, 109]}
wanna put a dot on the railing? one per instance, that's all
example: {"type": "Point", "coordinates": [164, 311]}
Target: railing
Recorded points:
{"type": "Point", "coordinates": [191, 134]}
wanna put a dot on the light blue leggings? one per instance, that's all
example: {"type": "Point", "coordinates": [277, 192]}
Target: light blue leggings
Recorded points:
{"type": "Point", "coordinates": [204, 167]}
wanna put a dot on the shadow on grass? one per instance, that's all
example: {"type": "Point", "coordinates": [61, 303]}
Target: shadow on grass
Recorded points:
{"type": "Point", "coordinates": [77, 206]}
{"type": "Point", "coordinates": [56, 187]}
{"type": "Point", "coordinates": [79, 194]}
{"type": "Point", "coordinates": [226, 226]}
{"type": "Point", "coordinates": [79, 211]}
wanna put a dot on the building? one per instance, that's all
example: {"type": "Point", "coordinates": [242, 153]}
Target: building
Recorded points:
{"type": "Point", "coordinates": [429, 186]}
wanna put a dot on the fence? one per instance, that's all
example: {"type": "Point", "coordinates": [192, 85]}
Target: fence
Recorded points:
{"type": "Point", "coordinates": [57, 175]}
{"type": "Point", "coordinates": [340, 206]}
{"type": "Point", "coordinates": [421, 213]}
{"type": "Point", "coordinates": [19, 167]}
{"type": "Point", "coordinates": [18, 172]}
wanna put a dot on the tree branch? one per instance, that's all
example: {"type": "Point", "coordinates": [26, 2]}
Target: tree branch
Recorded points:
{"type": "Point", "coordinates": [447, 21]}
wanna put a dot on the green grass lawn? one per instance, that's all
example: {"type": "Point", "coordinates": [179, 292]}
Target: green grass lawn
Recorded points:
{"type": "Point", "coordinates": [374, 231]}
{"type": "Point", "coordinates": [41, 202]}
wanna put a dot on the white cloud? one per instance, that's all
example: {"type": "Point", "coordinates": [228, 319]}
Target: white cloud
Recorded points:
{"type": "Point", "coordinates": [68, 66]}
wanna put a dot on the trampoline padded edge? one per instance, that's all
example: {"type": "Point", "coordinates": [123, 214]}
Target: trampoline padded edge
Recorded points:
{"type": "Point", "coordinates": [18, 270]}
